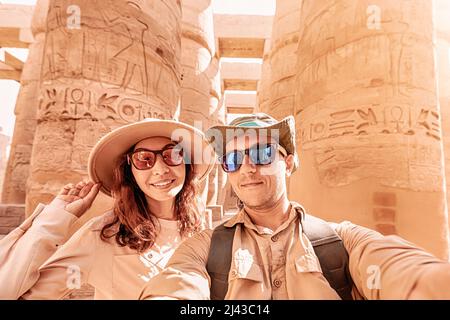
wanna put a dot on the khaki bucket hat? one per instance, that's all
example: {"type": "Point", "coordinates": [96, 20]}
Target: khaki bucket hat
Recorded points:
{"type": "Point", "coordinates": [283, 131]}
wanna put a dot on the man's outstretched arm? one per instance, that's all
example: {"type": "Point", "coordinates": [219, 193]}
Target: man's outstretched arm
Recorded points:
{"type": "Point", "coordinates": [389, 267]}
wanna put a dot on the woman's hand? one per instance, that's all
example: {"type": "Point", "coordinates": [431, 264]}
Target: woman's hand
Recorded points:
{"type": "Point", "coordinates": [79, 196]}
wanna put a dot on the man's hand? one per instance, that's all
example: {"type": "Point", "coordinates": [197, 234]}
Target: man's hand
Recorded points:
{"type": "Point", "coordinates": [79, 196]}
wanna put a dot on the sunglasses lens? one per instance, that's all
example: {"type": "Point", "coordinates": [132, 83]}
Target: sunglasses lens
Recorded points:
{"type": "Point", "coordinates": [232, 161]}
{"type": "Point", "coordinates": [262, 154]}
{"type": "Point", "coordinates": [173, 156]}
{"type": "Point", "coordinates": [143, 159]}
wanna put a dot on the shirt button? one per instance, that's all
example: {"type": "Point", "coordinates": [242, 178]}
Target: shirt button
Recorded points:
{"type": "Point", "coordinates": [148, 255]}
{"type": "Point", "coordinates": [275, 238]}
{"type": "Point", "coordinates": [277, 283]}
{"type": "Point", "coordinates": [233, 273]}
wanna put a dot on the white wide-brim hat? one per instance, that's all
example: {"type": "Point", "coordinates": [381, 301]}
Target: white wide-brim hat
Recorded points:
{"type": "Point", "coordinates": [106, 153]}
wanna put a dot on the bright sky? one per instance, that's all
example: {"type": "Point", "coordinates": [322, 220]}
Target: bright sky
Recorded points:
{"type": "Point", "coordinates": [27, 2]}
{"type": "Point", "coordinates": [9, 89]}
{"type": "Point", "coordinates": [259, 7]}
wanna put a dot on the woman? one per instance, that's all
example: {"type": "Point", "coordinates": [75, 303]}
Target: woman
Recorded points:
{"type": "Point", "coordinates": [152, 170]}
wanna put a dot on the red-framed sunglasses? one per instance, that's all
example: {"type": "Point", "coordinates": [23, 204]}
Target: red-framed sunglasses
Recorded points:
{"type": "Point", "coordinates": [145, 159]}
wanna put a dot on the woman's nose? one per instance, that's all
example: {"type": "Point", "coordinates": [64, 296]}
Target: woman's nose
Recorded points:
{"type": "Point", "coordinates": [160, 166]}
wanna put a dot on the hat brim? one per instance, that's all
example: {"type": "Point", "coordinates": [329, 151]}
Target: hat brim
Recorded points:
{"type": "Point", "coordinates": [105, 154]}
{"type": "Point", "coordinates": [283, 130]}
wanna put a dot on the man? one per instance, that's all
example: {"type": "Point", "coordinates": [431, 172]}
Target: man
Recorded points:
{"type": "Point", "coordinates": [271, 249]}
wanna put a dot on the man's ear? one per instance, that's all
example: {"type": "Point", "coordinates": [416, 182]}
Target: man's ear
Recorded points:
{"type": "Point", "coordinates": [289, 159]}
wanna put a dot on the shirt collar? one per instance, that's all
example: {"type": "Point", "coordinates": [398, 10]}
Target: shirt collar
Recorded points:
{"type": "Point", "coordinates": [243, 218]}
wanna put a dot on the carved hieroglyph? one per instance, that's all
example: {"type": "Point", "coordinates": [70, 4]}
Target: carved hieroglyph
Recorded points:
{"type": "Point", "coordinates": [106, 63]}
{"type": "Point", "coordinates": [368, 118]}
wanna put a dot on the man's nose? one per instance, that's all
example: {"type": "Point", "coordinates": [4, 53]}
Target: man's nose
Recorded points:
{"type": "Point", "coordinates": [247, 165]}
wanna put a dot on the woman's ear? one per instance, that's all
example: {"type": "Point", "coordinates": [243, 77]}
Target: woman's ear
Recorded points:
{"type": "Point", "coordinates": [289, 159]}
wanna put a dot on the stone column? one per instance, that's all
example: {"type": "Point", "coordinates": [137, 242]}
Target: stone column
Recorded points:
{"type": "Point", "coordinates": [18, 168]}
{"type": "Point", "coordinates": [214, 118]}
{"type": "Point", "coordinates": [197, 50]}
{"type": "Point", "coordinates": [4, 143]}
{"type": "Point", "coordinates": [221, 175]}
{"type": "Point", "coordinates": [442, 12]}
{"type": "Point", "coordinates": [263, 94]}
{"type": "Point", "coordinates": [368, 118]}
{"type": "Point", "coordinates": [221, 116]}
{"type": "Point", "coordinates": [221, 183]}
{"type": "Point", "coordinates": [106, 63]}
{"type": "Point", "coordinates": [283, 58]}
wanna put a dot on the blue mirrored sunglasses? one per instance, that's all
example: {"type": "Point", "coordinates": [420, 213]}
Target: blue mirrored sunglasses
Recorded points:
{"type": "Point", "coordinates": [259, 154]}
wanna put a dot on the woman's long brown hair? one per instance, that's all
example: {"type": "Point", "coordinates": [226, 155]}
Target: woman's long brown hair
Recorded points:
{"type": "Point", "coordinates": [133, 224]}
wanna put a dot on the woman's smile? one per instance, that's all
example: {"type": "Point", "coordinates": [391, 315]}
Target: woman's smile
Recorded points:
{"type": "Point", "coordinates": [163, 184]}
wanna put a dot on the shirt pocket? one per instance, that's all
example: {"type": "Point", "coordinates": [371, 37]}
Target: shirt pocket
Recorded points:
{"type": "Point", "coordinates": [252, 272]}
{"type": "Point", "coordinates": [307, 262]}
{"type": "Point", "coordinates": [246, 285]}
{"type": "Point", "coordinates": [309, 274]}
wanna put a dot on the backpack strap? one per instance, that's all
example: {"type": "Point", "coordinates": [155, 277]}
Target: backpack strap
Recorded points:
{"type": "Point", "coordinates": [219, 260]}
{"type": "Point", "coordinates": [332, 255]}
{"type": "Point", "coordinates": [327, 245]}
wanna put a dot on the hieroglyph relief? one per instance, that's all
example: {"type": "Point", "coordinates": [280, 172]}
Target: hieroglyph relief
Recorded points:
{"type": "Point", "coordinates": [79, 103]}
{"type": "Point", "coordinates": [398, 145]}
{"type": "Point", "coordinates": [395, 119]}
{"type": "Point", "coordinates": [118, 46]}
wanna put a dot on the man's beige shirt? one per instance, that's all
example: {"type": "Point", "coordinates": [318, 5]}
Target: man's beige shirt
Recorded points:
{"type": "Point", "coordinates": [281, 264]}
